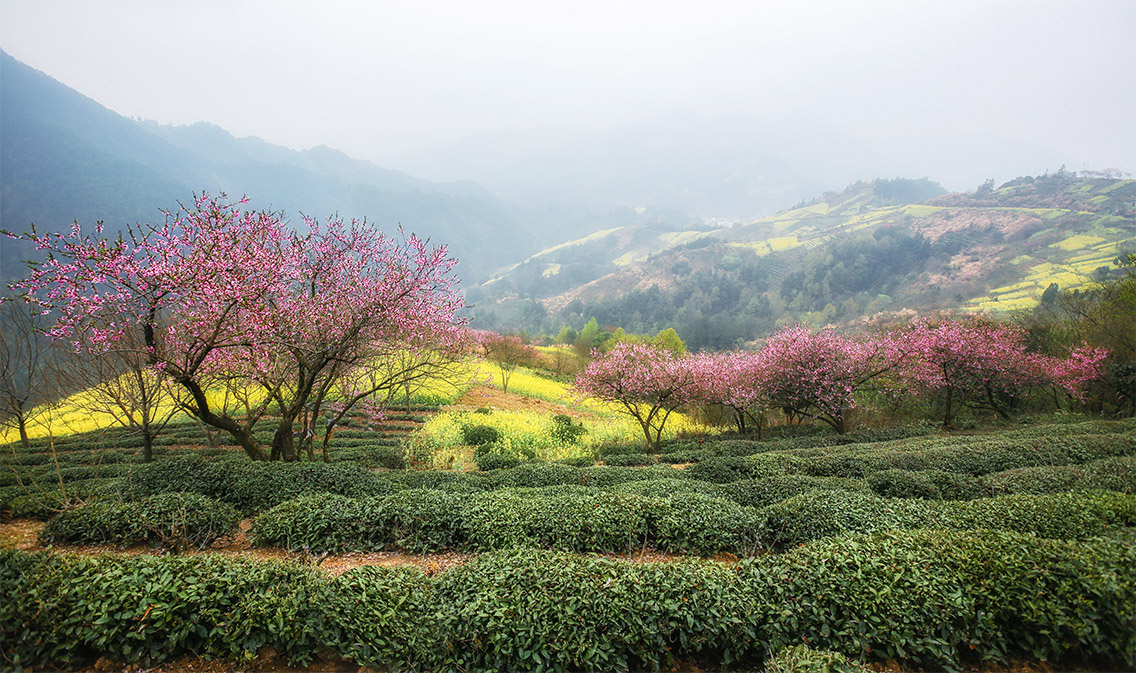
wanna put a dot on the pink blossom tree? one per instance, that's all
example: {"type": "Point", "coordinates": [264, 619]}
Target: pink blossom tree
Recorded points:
{"type": "Point", "coordinates": [218, 292]}
{"type": "Point", "coordinates": [818, 374]}
{"type": "Point", "coordinates": [505, 351]}
{"type": "Point", "coordinates": [980, 363]}
{"type": "Point", "coordinates": [732, 379]}
{"type": "Point", "coordinates": [647, 381]}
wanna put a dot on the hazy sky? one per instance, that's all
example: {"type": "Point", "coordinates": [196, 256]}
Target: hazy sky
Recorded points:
{"type": "Point", "coordinates": [378, 78]}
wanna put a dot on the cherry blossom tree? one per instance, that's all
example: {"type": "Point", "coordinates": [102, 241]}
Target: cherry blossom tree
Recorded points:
{"type": "Point", "coordinates": [980, 363]}
{"type": "Point", "coordinates": [733, 379]}
{"type": "Point", "coordinates": [218, 292]}
{"type": "Point", "coordinates": [647, 381]}
{"type": "Point", "coordinates": [818, 374]}
{"type": "Point", "coordinates": [506, 352]}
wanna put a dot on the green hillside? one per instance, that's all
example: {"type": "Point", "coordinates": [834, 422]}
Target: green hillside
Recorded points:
{"type": "Point", "coordinates": [874, 249]}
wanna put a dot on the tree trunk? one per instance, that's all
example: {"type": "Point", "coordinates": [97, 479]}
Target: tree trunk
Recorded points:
{"type": "Point", "coordinates": [283, 444]}
{"type": "Point", "coordinates": [326, 441]}
{"type": "Point", "coordinates": [646, 434]}
{"type": "Point", "coordinates": [995, 405]}
{"type": "Point", "coordinates": [147, 446]}
{"type": "Point", "coordinates": [201, 411]}
{"type": "Point", "coordinates": [23, 425]}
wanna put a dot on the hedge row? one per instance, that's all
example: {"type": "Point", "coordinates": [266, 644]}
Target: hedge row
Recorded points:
{"type": "Point", "coordinates": [1112, 474]}
{"type": "Point", "coordinates": [975, 455]}
{"type": "Point", "coordinates": [1047, 459]}
{"type": "Point", "coordinates": [255, 487]}
{"type": "Point", "coordinates": [573, 518]}
{"type": "Point", "coordinates": [65, 612]}
{"type": "Point", "coordinates": [955, 462]}
{"type": "Point", "coordinates": [816, 514]}
{"type": "Point", "coordinates": [933, 599]}
{"type": "Point", "coordinates": [172, 520]}
{"type": "Point", "coordinates": [250, 486]}
{"type": "Point", "coordinates": [44, 501]}
{"type": "Point", "coordinates": [566, 518]}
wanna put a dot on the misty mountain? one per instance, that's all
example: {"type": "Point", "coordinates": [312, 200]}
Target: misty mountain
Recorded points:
{"type": "Point", "coordinates": [66, 158]}
{"type": "Point", "coordinates": [678, 162]}
{"type": "Point", "coordinates": [728, 168]}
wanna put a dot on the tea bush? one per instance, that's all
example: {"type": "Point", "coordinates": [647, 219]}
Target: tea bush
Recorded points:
{"type": "Point", "coordinates": [250, 486]}
{"type": "Point", "coordinates": [930, 599]}
{"type": "Point", "coordinates": [1111, 474]}
{"type": "Point", "coordinates": [699, 524]}
{"type": "Point", "coordinates": [496, 461]}
{"type": "Point", "coordinates": [630, 460]}
{"type": "Point", "coordinates": [723, 470]}
{"type": "Point", "coordinates": [384, 617]}
{"type": "Point", "coordinates": [479, 435]}
{"type": "Point", "coordinates": [820, 514]}
{"type": "Point", "coordinates": [416, 521]}
{"type": "Point", "coordinates": [66, 612]}
{"type": "Point", "coordinates": [562, 517]}
{"type": "Point", "coordinates": [526, 610]}
{"type": "Point", "coordinates": [450, 482]}
{"type": "Point", "coordinates": [666, 488]}
{"type": "Point", "coordinates": [775, 488]}
{"type": "Point", "coordinates": [937, 598]}
{"type": "Point", "coordinates": [926, 485]}
{"type": "Point", "coordinates": [594, 522]}
{"type": "Point", "coordinates": [174, 520]}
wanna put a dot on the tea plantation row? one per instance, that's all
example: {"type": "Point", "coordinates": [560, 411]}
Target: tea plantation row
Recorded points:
{"type": "Point", "coordinates": [929, 598]}
{"type": "Point", "coordinates": [572, 518]}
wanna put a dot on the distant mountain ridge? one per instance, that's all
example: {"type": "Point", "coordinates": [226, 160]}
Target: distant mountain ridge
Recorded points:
{"type": "Point", "coordinates": [65, 158]}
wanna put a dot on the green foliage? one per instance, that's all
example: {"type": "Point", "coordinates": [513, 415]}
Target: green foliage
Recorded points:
{"type": "Point", "coordinates": [384, 617]}
{"type": "Point", "coordinates": [925, 485]}
{"type": "Point", "coordinates": [562, 517]}
{"type": "Point", "coordinates": [724, 470]}
{"type": "Point", "coordinates": [930, 599]}
{"type": "Point", "coordinates": [438, 480]}
{"type": "Point", "coordinates": [479, 435]}
{"type": "Point", "coordinates": [935, 598]}
{"type": "Point", "coordinates": [495, 461]}
{"type": "Point", "coordinates": [66, 612]}
{"type": "Point", "coordinates": [251, 486]}
{"type": "Point", "coordinates": [565, 431]}
{"type": "Point", "coordinates": [598, 522]}
{"type": "Point", "coordinates": [610, 449]}
{"type": "Point", "coordinates": [172, 520]}
{"type": "Point", "coordinates": [1110, 474]}
{"type": "Point", "coordinates": [684, 456]}
{"type": "Point", "coordinates": [775, 488]}
{"type": "Point", "coordinates": [414, 520]}
{"type": "Point", "coordinates": [630, 460]}
{"type": "Point", "coordinates": [667, 488]}
{"type": "Point", "coordinates": [819, 514]}
{"type": "Point", "coordinates": [527, 610]}
{"type": "Point", "coordinates": [700, 524]}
